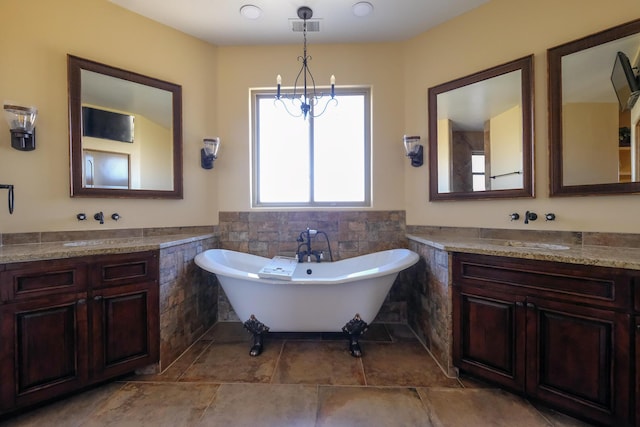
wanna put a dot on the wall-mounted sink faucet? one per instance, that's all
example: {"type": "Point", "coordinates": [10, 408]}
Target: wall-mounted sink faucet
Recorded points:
{"type": "Point", "coordinates": [530, 216]}
{"type": "Point", "coordinates": [99, 217]}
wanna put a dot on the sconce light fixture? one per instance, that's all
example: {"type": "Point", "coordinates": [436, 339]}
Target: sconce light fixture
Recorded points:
{"type": "Point", "coordinates": [413, 148]}
{"type": "Point", "coordinates": [21, 122]}
{"type": "Point", "coordinates": [209, 152]}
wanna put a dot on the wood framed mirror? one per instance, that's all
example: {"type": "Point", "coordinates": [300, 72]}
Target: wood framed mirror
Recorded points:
{"type": "Point", "coordinates": [481, 134]}
{"type": "Point", "coordinates": [125, 133]}
{"type": "Point", "coordinates": [593, 132]}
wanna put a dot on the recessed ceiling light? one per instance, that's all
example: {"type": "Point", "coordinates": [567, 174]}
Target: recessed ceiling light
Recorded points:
{"type": "Point", "coordinates": [250, 11]}
{"type": "Point", "coordinates": [363, 8]}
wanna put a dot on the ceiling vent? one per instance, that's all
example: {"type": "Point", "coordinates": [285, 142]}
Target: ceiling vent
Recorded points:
{"type": "Point", "coordinates": [312, 26]}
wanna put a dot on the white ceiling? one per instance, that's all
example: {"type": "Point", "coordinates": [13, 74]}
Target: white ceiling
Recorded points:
{"type": "Point", "coordinates": [219, 21]}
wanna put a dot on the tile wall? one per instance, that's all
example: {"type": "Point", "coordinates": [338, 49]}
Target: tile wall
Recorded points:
{"type": "Point", "coordinates": [188, 299]}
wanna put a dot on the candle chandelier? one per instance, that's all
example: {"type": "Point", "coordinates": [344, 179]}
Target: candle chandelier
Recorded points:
{"type": "Point", "coordinates": [306, 103]}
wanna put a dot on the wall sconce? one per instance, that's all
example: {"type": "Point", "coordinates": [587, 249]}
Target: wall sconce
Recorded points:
{"type": "Point", "coordinates": [21, 122]}
{"type": "Point", "coordinates": [413, 148]}
{"type": "Point", "coordinates": [209, 152]}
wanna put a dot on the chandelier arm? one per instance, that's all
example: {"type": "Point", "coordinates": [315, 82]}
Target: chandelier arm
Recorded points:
{"type": "Point", "coordinates": [295, 83]}
{"type": "Point", "coordinates": [313, 81]}
{"type": "Point", "coordinates": [284, 104]}
{"type": "Point", "coordinates": [335, 102]}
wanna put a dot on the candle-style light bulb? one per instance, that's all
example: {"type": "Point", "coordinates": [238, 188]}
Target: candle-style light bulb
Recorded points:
{"type": "Point", "coordinates": [333, 86]}
{"type": "Point", "coordinates": [278, 81]}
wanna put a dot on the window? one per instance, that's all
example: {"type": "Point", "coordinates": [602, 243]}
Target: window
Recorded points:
{"type": "Point", "coordinates": [477, 171]}
{"type": "Point", "coordinates": [322, 161]}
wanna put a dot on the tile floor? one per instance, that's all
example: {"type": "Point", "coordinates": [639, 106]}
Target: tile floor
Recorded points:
{"type": "Point", "coordinates": [299, 380]}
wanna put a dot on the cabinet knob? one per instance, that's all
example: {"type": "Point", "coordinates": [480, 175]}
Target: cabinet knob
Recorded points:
{"type": "Point", "coordinates": [97, 298]}
{"type": "Point", "coordinates": [531, 305]}
{"type": "Point", "coordinates": [519, 304]}
{"type": "Point", "coordinates": [81, 301]}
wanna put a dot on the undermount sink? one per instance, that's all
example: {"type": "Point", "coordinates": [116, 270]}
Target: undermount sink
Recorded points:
{"type": "Point", "coordinates": [535, 245]}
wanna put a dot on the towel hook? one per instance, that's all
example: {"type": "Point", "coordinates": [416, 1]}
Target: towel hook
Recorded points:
{"type": "Point", "coordinates": [9, 196]}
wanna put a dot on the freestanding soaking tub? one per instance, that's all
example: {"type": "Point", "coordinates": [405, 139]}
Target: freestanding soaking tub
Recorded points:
{"type": "Point", "coordinates": [335, 296]}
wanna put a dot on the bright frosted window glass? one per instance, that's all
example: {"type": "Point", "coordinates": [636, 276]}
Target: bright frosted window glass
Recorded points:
{"type": "Point", "coordinates": [284, 169]}
{"type": "Point", "coordinates": [477, 171]}
{"type": "Point", "coordinates": [314, 162]}
{"type": "Point", "coordinates": [339, 152]}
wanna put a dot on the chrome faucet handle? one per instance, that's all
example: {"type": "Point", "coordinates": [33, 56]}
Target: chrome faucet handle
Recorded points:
{"type": "Point", "coordinates": [514, 216]}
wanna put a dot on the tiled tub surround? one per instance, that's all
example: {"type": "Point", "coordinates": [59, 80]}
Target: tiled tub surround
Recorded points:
{"type": "Point", "coordinates": [187, 296]}
{"type": "Point", "coordinates": [430, 294]}
{"type": "Point", "coordinates": [351, 233]}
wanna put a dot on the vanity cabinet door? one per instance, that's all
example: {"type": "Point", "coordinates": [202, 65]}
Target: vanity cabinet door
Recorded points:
{"type": "Point", "coordinates": [578, 359]}
{"type": "Point", "coordinates": [44, 349]}
{"type": "Point", "coordinates": [488, 338]}
{"type": "Point", "coordinates": [636, 367]}
{"type": "Point", "coordinates": [125, 333]}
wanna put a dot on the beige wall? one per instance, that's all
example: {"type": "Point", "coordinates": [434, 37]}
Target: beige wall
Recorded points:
{"type": "Point", "coordinates": [35, 38]}
{"type": "Point", "coordinates": [590, 147]}
{"type": "Point", "coordinates": [497, 32]}
{"type": "Point", "coordinates": [216, 82]}
{"type": "Point", "coordinates": [506, 153]}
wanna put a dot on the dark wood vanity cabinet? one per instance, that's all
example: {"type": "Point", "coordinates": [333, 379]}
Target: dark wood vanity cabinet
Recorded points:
{"type": "Point", "coordinates": [637, 367]}
{"type": "Point", "coordinates": [125, 323]}
{"type": "Point", "coordinates": [557, 333]}
{"type": "Point", "coordinates": [69, 323]}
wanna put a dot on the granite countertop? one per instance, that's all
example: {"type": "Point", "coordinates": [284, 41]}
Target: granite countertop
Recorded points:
{"type": "Point", "coordinates": [77, 248]}
{"type": "Point", "coordinates": [606, 256]}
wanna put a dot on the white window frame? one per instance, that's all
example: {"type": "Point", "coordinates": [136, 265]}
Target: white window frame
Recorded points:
{"type": "Point", "coordinates": [256, 94]}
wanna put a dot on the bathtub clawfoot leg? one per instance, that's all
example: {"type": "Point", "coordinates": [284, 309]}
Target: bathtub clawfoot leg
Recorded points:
{"type": "Point", "coordinates": [355, 328]}
{"type": "Point", "coordinates": [257, 328]}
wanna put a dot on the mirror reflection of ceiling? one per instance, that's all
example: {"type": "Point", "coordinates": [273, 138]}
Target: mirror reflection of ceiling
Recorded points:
{"type": "Point", "coordinates": [219, 21]}
{"type": "Point", "coordinates": [125, 96]}
{"type": "Point", "coordinates": [469, 107]}
{"type": "Point", "coordinates": [586, 75]}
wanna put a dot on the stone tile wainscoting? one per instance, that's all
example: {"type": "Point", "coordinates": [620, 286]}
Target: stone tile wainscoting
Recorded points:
{"type": "Point", "coordinates": [188, 299]}
{"type": "Point", "coordinates": [351, 233]}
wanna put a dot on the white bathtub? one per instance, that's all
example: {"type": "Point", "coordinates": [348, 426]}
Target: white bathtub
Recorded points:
{"type": "Point", "coordinates": [321, 297]}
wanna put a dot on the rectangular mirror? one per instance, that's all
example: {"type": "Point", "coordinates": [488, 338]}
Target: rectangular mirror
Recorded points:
{"type": "Point", "coordinates": [481, 134]}
{"type": "Point", "coordinates": [594, 120]}
{"type": "Point", "coordinates": [125, 133]}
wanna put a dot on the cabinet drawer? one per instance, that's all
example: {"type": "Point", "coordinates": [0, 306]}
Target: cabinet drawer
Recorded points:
{"type": "Point", "coordinates": [601, 286]}
{"type": "Point", "coordinates": [116, 270]}
{"type": "Point", "coordinates": [26, 280]}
